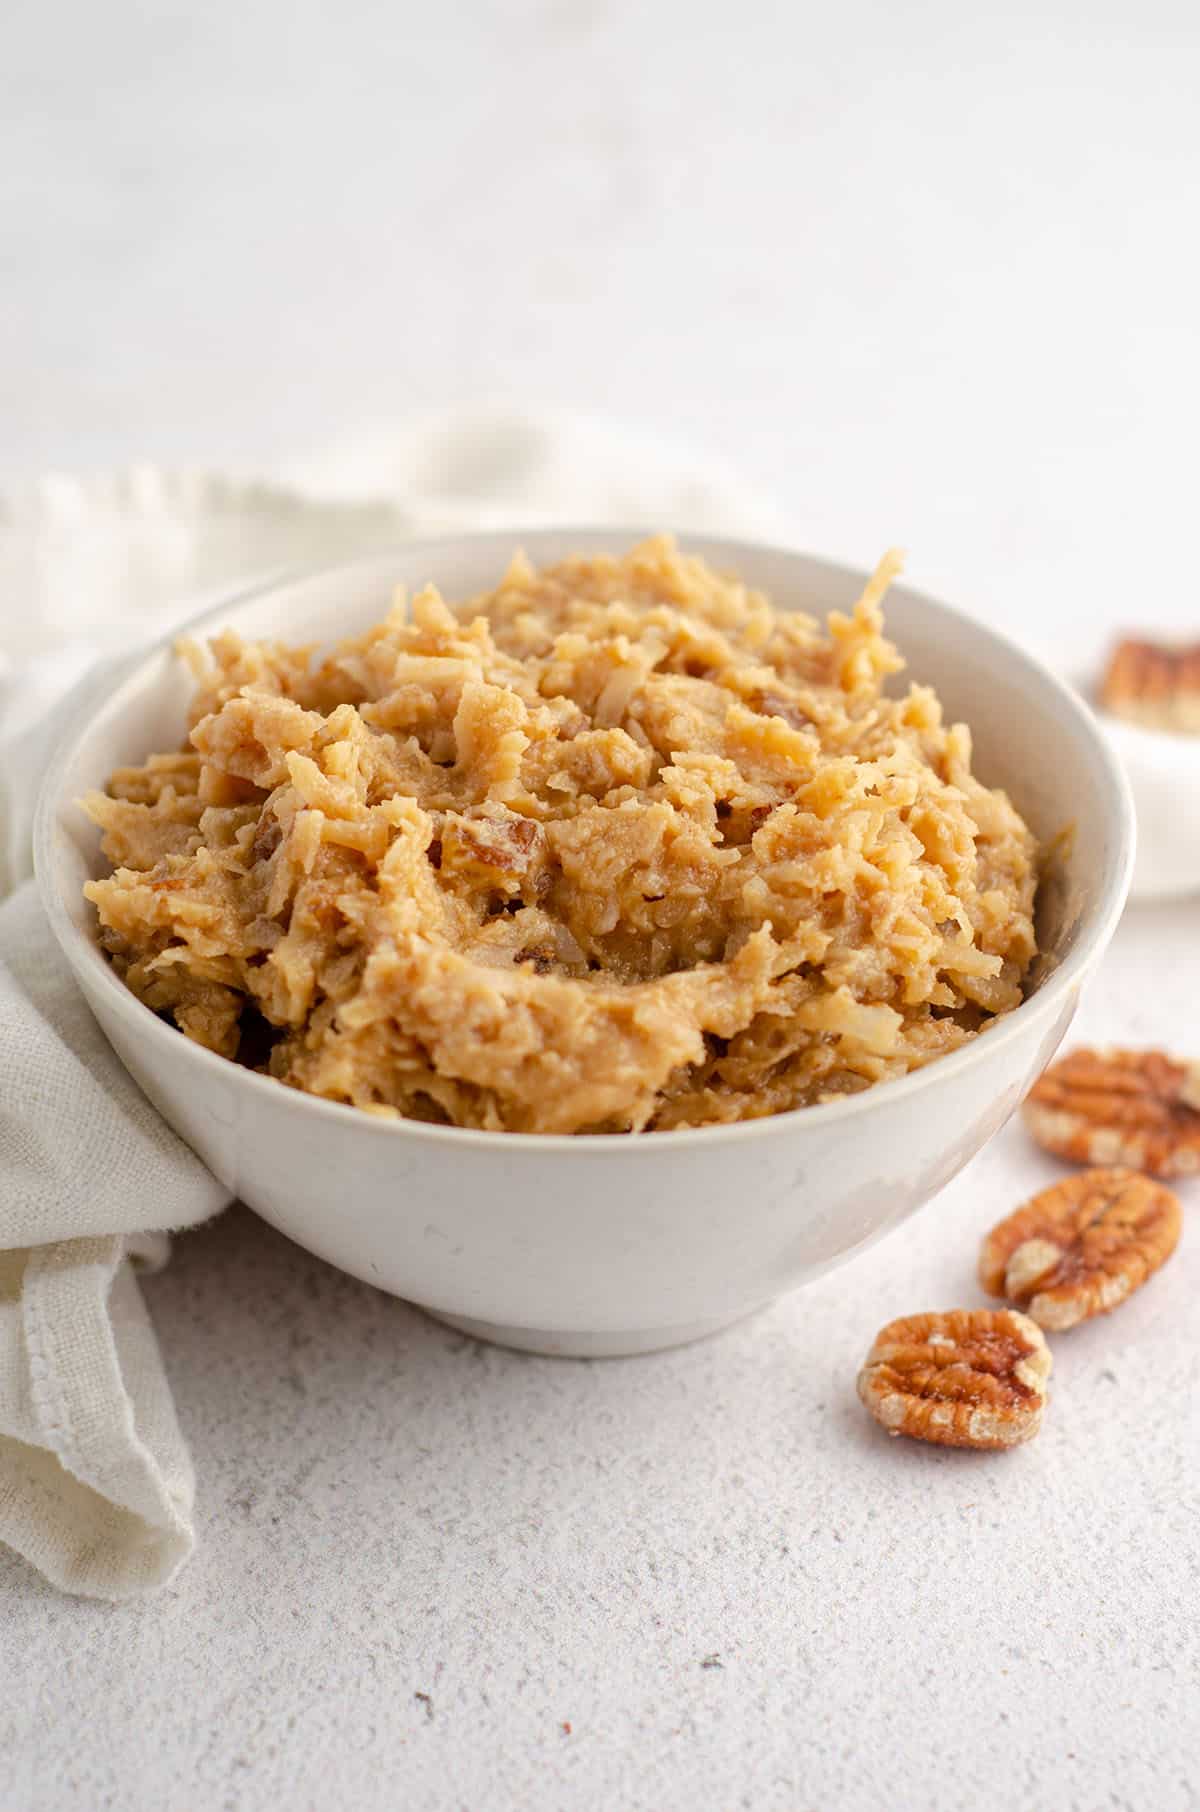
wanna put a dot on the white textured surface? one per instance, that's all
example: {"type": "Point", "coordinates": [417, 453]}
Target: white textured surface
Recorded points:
{"type": "Point", "coordinates": [918, 272]}
{"type": "Point", "coordinates": [390, 1510]}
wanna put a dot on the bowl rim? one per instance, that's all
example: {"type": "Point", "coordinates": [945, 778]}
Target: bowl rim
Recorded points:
{"type": "Point", "coordinates": [142, 1022]}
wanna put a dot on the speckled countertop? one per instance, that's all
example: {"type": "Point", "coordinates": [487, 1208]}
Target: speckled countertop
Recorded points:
{"type": "Point", "coordinates": [437, 1575]}
{"type": "Point", "coordinates": [920, 275]}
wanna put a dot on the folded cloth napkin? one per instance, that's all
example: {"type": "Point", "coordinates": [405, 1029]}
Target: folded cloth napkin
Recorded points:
{"type": "Point", "coordinates": [96, 1485]}
{"type": "Point", "coordinates": [95, 1479]}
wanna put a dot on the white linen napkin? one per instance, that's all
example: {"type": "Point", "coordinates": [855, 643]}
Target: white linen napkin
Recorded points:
{"type": "Point", "coordinates": [96, 1485]}
{"type": "Point", "coordinates": [95, 1480]}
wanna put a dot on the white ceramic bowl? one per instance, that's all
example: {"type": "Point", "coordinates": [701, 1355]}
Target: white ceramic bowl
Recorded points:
{"type": "Point", "coordinates": [595, 1245]}
{"type": "Point", "coordinates": [1163, 771]}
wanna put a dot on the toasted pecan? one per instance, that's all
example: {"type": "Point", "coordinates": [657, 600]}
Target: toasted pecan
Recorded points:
{"type": "Point", "coordinates": [1081, 1247]}
{"type": "Point", "coordinates": [1154, 684]}
{"type": "Point", "coordinates": [963, 1378]}
{"type": "Point", "coordinates": [1138, 1108]}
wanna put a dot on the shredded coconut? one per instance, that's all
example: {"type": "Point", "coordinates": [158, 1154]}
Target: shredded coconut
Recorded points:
{"type": "Point", "coordinates": [615, 847]}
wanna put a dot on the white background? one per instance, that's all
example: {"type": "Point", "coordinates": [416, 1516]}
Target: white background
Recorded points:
{"type": "Point", "coordinates": [920, 270]}
{"type": "Point", "coordinates": [917, 272]}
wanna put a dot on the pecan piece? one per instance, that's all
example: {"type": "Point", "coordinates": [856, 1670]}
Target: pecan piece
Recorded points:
{"type": "Point", "coordinates": [542, 956]}
{"type": "Point", "coordinates": [267, 838]}
{"type": "Point", "coordinates": [496, 842]}
{"type": "Point", "coordinates": [1153, 684]}
{"type": "Point", "coordinates": [1140, 1108]}
{"type": "Point", "coordinates": [1081, 1247]}
{"type": "Point", "coordinates": [773, 704]}
{"type": "Point", "coordinates": [965, 1378]}
{"type": "Point", "coordinates": [493, 843]}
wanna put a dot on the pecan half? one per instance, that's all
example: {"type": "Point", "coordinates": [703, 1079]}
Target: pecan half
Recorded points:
{"type": "Point", "coordinates": [1154, 684]}
{"type": "Point", "coordinates": [1119, 1107]}
{"type": "Point", "coordinates": [1081, 1247]}
{"type": "Point", "coordinates": [965, 1378]}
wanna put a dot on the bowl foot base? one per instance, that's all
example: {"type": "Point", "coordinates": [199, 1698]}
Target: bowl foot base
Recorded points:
{"type": "Point", "coordinates": [571, 1345]}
